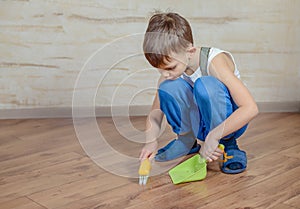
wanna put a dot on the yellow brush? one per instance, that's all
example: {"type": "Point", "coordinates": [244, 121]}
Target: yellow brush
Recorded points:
{"type": "Point", "coordinates": [144, 171]}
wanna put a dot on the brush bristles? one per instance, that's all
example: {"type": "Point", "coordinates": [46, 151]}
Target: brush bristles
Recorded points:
{"type": "Point", "coordinates": [143, 180]}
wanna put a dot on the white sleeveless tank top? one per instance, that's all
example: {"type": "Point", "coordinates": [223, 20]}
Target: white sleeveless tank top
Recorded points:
{"type": "Point", "coordinates": [212, 54]}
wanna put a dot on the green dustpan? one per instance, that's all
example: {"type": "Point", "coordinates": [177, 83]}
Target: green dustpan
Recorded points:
{"type": "Point", "coordinates": [193, 169]}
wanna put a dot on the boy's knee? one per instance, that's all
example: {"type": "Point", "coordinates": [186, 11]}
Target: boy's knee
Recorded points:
{"type": "Point", "coordinates": [171, 85]}
{"type": "Point", "coordinates": [175, 87]}
{"type": "Point", "coordinates": [208, 88]}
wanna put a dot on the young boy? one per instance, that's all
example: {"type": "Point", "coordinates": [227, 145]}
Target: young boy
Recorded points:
{"type": "Point", "coordinates": [200, 94]}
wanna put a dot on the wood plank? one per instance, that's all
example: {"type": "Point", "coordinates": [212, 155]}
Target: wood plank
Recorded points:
{"type": "Point", "coordinates": [9, 140]}
{"type": "Point", "coordinates": [35, 161]}
{"type": "Point", "coordinates": [26, 126]}
{"type": "Point", "coordinates": [283, 206]}
{"type": "Point", "coordinates": [21, 203]}
{"type": "Point", "coordinates": [120, 197]}
{"type": "Point", "coordinates": [291, 152]}
{"type": "Point", "coordinates": [65, 195]}
{"type": "Point", "coordinates": [264, 195]}
{"type": "Point", "coordinates": [294, 201]}
{"type": "Point", "coordinates": [48, 177]}
{"type": "Point", "coordinates": [38, 142]}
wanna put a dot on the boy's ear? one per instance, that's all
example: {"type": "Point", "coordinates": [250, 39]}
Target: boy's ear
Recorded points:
{"type": "Point", "coordinates": [191, 50]}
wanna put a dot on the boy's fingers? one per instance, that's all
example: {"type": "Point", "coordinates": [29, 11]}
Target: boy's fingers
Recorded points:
{"type": "Point", "coordinates": [217, 154]}
{"type": "Point", "coordinates": [214, 157]}
{"type": "Point", "coordinates": [151, 156]}
{"type": "Point", "coordinates": [142, 155]}
{"type": "Point", "coordinates": [208, 159]}
{"type": "Point", "coordinates": [143, 158]}
{"type": "Point", "coordinates": [145, 154]}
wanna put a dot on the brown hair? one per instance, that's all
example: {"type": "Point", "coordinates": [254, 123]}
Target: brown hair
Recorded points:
{"type": "Point", "coordinates": [166, 33]}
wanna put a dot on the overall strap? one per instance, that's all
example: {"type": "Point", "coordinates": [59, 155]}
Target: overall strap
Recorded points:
{"type": "Point", "coordinates": [203, 60]}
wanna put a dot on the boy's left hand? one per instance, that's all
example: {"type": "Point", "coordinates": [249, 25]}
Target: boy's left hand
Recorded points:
{"type": "Point", "coordinates": [148, 150]}
{"type": "Point", "coordinates": [210, 150]}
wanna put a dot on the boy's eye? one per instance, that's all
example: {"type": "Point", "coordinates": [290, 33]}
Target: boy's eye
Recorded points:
{"type": "Point", "coordinates": [170, 68]}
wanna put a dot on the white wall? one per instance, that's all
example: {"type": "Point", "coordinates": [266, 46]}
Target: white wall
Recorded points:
{"type": "Point", "coordinates": [44, 45]}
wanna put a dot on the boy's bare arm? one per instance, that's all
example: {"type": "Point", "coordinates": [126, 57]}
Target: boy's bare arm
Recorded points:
{"type": "Point", "coordinates": [222, 67]}
{"type": "Point", "coordinates": [153, 128]}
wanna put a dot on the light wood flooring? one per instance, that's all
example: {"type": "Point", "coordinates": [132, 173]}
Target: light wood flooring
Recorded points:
{"type": "Point", "coordinates": [42, 165]}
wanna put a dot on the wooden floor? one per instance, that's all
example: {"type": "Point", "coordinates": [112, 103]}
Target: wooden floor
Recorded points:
{"type": "Point", "coordinates": [43, 166]}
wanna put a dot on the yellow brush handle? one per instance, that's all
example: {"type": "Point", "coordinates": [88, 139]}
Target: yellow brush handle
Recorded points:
{"type": "Point", "coordinates": [225, 156]}
{"type": "Point", "coordinates": [221, 147]}
{"type": "Point", "coordinates": [145, 167]}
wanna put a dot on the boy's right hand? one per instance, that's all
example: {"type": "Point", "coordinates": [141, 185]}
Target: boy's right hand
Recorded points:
{"type": "Point", "coordinates": [210, 150]}
{"type": "Point", "coordinates": [148, 150]}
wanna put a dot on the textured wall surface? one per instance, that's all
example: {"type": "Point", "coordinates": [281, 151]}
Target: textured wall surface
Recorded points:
{"type": "Point", "coordinates": [46, 45]}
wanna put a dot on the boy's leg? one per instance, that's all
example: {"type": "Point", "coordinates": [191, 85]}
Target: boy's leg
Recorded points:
{"type": "Point", "coordinates": [215, 105]}
{"type": "Point", "coordinates": [177, 103]}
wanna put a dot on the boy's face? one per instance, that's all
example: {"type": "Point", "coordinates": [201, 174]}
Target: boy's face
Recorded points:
{"type": "Point", "coordinates": [174, 68]}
